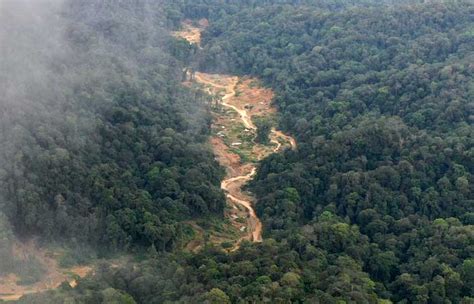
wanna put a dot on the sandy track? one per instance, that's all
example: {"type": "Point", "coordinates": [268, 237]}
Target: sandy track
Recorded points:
{"type": "Point", "coordinates": [275, 134]}
{"type": "Point", "coordinates": [232, 185]}
{"type": "Point", "coordinates": [240, 172]}
{"type": "Point", "coordinates": [253, 103]}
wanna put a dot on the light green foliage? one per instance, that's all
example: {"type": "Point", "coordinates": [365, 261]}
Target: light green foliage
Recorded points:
{"type": "Point", "coordinates": [106, 147]}
{"type": "Point", "coordinates": [217, 296]}
{"type": "Point", "coordinates": [374, 206]}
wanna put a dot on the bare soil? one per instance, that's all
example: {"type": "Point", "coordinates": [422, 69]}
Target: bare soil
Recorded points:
{"type": "Point", "coordinates": [190, 32]}
{"type": "Point", "coordinates": [238, 101]}
{"type": "Point", "coordinates": [11, 290]}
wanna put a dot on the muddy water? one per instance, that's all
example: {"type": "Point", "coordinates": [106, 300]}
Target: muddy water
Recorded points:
{"type": "Point", "coordinates": [232, 184]}
{"type": "Point", "coordinates": [255, 101]}
{"type": "Point", "coordinates": [239, 173]}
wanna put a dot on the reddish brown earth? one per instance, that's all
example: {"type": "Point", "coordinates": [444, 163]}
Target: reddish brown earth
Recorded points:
{"type": "Point", "coordinates": [190, 32]}
{"type": "Point", "coordinates": [240, 100]}
{"type": "Point", "coordinates": [10, 289]}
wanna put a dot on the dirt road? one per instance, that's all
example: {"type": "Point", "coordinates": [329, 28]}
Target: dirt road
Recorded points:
{"type": "Point", "coordinates": [249, 101]}
{"type": "Point", "coordinates": [232, 184]}
{"type": "Point", "coordinates": [234, 144]}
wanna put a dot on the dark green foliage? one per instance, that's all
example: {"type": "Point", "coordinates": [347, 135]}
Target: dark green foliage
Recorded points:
{"type": "Point", "coordinates": [380, 100]}
{"type": "Point", "coordinates": [263, 130]}
{"type": "Point", "coordinates": [376, 202]}
{"type": "Point", "coordinates": [115, 153]}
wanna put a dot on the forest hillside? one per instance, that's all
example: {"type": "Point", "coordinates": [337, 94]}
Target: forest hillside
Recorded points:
{"type": "Point", "coordinates": [108, 124]}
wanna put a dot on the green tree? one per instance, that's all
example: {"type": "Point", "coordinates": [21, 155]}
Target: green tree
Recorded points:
{"type": "Point", "coordinates": [216, 296]}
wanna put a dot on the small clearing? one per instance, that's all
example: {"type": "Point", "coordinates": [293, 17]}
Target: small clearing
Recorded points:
{"type": "Point", "coordinates": [11, 290]}
{"type": "Point", "coordinates": [237, 101]}
{"type": "Point", "coordinates": [191, 31]}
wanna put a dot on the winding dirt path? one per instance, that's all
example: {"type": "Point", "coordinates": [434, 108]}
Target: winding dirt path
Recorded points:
{"type": "Point", "coordinates": [232, 184]}
{"type": "Point", "coordinates": [228, 185]}
{"type": "Point", "coordinates": [275, 134]}
{"type": "Point", "coordinates": [239, 172]}
{"type": "Point", "coordinates": [231, 143]}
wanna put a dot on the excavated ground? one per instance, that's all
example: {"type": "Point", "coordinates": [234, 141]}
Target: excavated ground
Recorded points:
{"type": "Point", "coordinates": [191, 32]}
{"type": "Point", "coordinates": [11, 290]}
{"type": "Point", "coordinates": [237, 102]}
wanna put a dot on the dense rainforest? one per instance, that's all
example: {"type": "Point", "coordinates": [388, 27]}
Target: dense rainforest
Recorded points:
{"type": "Point", "coordinates": [375, 205]}
{"type": "Point", "coordinates": [102, 143]}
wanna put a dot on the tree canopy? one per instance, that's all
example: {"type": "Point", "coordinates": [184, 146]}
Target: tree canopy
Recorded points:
{"type": "Point", "coordinates": [374, 206]}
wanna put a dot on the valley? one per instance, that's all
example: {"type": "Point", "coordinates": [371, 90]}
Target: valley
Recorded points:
{"type": "Point", "coordinates": [237, 102]}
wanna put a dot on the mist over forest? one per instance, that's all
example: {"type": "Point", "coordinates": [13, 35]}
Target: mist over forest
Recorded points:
{"type": "Point", "coordinates": [118, 135]}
